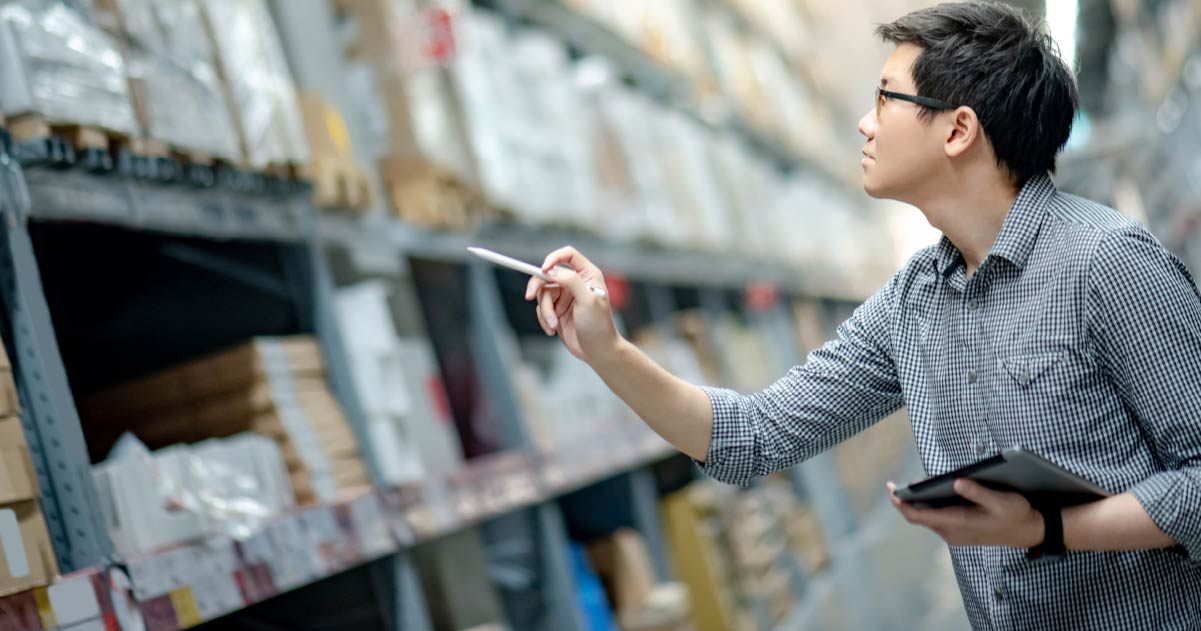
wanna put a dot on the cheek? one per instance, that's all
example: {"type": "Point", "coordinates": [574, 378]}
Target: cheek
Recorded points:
{"type": "Point", "coordinates": [905, 148]}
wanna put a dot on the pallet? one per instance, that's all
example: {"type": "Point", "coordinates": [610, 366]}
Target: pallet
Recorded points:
{"type": "Point", "coordinates": [340, 184]}
{"type": "Point", "coordinates": [38, 140]}
{"type": "Point", "coordinates": [429, 197]}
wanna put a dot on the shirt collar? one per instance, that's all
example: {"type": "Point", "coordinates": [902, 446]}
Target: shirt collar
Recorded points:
{"type": "Point", "coordinates": [1018, 233]}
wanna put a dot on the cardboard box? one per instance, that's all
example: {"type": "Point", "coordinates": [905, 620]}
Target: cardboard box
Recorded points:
{"type": "Point", "coordinates": [17, 479]}
{"type": "Point", "coordinates": [26, 554]}
{"type": "Point", "coordinates": [203, 378]}
{"type": "Point", "coordinates": [10, 404]}
{"type": "Point", "coordinates": [273, 387]}
{"type": "Point", "coordinates": [339, 180]}
{"type": "Point", "coordinates": [624, 566]}
{"type": "Point", "coordinates": [667, 608]}
{"type": "Point", "coordinates": [698, 564]}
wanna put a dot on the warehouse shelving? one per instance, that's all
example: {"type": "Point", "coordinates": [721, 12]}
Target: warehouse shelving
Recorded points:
{"type": "Point", "coordinates": [56, 195]}
{"type": "Point", "coordinates": [514, 480]}
{"type": "Point", "coordinates": [655, 264]}
{"type": "Point", "coordinates": [652, 77]}
{"type": "Point", "coordinates": [183, 586]}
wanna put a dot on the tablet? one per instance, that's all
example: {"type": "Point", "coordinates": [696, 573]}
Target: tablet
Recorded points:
{"type": "Point", "coordinates": [1016, 470]}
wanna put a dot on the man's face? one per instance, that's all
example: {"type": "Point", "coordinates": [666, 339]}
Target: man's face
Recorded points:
{"type": "Point", "coordinates": [903, 154]}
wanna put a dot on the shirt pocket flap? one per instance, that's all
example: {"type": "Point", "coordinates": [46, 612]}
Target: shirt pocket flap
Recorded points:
{"type": "Point", "coordinates": [1026, 369]}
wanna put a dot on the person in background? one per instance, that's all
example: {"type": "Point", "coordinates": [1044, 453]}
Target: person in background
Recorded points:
{"type": "Point", "coordinates": [1039, 319]}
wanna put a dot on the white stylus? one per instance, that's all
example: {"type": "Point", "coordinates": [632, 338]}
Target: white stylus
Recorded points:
{"type": "Point", "coordinates": [511, 263]}
{"type": "Point", "coordinates": [525, 268]}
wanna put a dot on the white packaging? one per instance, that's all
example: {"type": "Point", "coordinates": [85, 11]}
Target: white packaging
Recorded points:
{"type": "Point", "coordinates": [54, 64]}
{"type": "Point", "coordinates": [262, 94]}
{"type": "Point", "coordinates": [140, 515]}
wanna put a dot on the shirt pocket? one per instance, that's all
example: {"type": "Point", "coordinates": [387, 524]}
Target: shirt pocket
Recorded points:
{"type": "Point", "coordinates": [1025, 373]}
{"type": "Point", "coordinates": [1029, 403]}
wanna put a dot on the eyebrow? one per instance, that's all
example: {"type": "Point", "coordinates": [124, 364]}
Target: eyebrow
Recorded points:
{"type": "Point", "coordinates": [883, 82]}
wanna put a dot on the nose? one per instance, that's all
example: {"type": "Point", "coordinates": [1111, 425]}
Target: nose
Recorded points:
{"type": "Point", "coordinates": [867, 124]}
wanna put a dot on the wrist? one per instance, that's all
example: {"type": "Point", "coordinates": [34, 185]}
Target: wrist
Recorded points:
{"type": "Point", "coordinates": [1036, 531]}
{"type": "Point", "coordinates": [610, 355]}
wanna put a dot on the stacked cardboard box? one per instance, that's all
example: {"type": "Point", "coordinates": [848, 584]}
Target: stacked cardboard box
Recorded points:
{"type": "Point", "coordinates": [339, 181]}
{"type": "Point", "coordinates": [272, 386]}
{"type": "Point", "coordinates": [639, 600]}
{"type": "Point", "coordinates": [397, 68]}
{"type": "Point", "coordinates": [26, 554]}
{"type": "Point", "coordinates": [694, 534]}
{"type": "Point", "coordinates": [768, 575]}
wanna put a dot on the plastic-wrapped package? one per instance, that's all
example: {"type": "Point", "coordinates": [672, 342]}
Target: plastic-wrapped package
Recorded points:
{"type": "Point", "coordinates": [56, 65]}
{"type": "Point", "coordinates": [260, 89]}
{"type": "Point", "coordinates": [484, 76]}
{"type": "Point", "coordinates": [632, 117]}
{"type": "Point", "coordinates": [182, 108]}
{"type": "Point", "coordinates": [176, 92]}
{"type": "Point", "coordinates": [229, 487]}
{"type": "Point", "coordinates": [615, 190]}
{"type": "Point", "coordinates": [241, 482]}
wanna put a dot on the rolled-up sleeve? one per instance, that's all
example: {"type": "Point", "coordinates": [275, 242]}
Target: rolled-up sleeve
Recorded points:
{"type": "Point", "coordinates": [843, 388]}
{"type": "Point", "coordinates": [1145, 324]}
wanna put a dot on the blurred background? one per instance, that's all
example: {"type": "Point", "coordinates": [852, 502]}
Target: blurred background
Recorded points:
{"type": "Point", "coordinates": [253, 381]}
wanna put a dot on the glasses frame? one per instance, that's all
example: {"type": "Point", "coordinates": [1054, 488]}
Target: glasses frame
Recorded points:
{"type": "Point", "coordinates": [924, 101]}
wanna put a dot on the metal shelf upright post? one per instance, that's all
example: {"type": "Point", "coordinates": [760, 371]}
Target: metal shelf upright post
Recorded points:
{"type": "Point", "coordinates": [497, 351]}
{"type": "Point", "coordinates": [68, 495]}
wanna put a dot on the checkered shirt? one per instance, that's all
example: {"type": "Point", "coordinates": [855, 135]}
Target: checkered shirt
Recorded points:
{"type": "Point", "coordinates": [1079, 338]}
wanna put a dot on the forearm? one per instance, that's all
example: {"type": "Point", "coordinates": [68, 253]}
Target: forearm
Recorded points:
{"type": "Point", "coordinates": [1115, 523]}
{"type": "Point", "coordinates": [678, 411]}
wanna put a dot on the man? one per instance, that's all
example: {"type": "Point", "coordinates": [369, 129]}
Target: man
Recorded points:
{"type": "Point", "coordinates": [1040, 319]}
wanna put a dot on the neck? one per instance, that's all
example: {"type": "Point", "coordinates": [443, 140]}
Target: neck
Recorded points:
{"type": "Point", "coordinates": [970, 212]}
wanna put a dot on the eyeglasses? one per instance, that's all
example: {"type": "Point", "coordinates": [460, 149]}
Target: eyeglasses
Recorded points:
{"type": "Point", "coordinates": [925, 101]}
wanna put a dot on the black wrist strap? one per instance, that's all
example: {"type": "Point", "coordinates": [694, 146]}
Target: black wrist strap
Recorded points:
{"type": "Point", "coordinates": [1052, 545]}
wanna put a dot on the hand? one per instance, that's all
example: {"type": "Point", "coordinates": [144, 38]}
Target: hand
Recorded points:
{"type": "Point", "coordinates": [996, 518]}
{"type": "Point", "coordinates": [582, 317]}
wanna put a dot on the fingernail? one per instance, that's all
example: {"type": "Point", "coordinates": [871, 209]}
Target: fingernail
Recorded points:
{"type": "Point", "coordinates": [552, 321]}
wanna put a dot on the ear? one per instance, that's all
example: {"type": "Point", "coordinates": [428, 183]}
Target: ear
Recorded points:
{"type": "Point", "coordinates": [962, 132]}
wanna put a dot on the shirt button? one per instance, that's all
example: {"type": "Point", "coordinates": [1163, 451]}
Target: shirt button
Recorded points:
{"type": "Point", "coordinates": [999, 592]}
{"type": "Point", "coordinates": [971, 376]}
{"type": "Point", "coordinates": [972, 305]}
{"type": "Point", "coordinates": [981, 448]}
{"type": "Point", "coordinates": [1024, 377]}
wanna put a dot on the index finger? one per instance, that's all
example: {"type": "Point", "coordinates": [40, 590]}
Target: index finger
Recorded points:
{"type": "Point", "coordinates": [570, 256]}
{"type": "Point", "coordinates": [533, 287]}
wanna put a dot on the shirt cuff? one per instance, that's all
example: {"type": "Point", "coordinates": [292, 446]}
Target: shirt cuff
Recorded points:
{"type": "Point", "coordinates": [731, 457]}
{"type": "Point", "coordinates": [1171, 500]}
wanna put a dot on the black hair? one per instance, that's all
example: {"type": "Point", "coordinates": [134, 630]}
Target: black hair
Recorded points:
{"type": "Point", "coordinates": [1004, 65]}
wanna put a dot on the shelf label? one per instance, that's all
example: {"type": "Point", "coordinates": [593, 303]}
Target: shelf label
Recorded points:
{"type": "Point", "coordinates": [184, 603]}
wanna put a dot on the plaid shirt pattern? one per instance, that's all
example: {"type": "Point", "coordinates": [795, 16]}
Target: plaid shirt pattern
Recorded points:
{"type": "Point", "coordinates": [1079, 337]}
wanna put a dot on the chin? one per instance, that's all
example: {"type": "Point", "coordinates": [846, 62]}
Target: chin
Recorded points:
{"type": "Point", "coordinates": [872, 189]}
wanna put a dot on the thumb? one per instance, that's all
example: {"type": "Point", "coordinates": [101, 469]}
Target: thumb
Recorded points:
{"type": "Point", "coordinates": [571, 281]}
